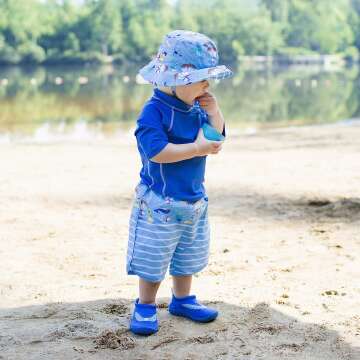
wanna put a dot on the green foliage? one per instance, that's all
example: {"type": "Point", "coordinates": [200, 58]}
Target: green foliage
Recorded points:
{"type": "Point", "coordinates": [146, 22]}
{"type": "Point", "coordinates": [103, 23]}
{"type": "Point", "coordinates": [260, 35]}
{"type": "Point", "coordinates": [351, 54]}
{"type": "Point", "coordinates": [294, 51]}
{"type": "Point", "coordinates": [131, 30]}
{"type": "Point", "coordinates": [319, 25]}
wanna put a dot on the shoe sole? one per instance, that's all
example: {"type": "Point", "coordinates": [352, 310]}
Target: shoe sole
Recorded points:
{"type": "Point", "coordinates": [143, 332]}
{"type": "Point", "coordinates": [203, 320]}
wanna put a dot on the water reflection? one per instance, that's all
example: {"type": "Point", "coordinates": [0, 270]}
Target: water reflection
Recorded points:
{"type": "Point", "coordinates": [83, 103]}
{"type": "Point", "coordinates": [81, 131]}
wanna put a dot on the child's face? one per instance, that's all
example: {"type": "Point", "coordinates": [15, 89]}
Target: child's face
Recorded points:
{"type": "Point", "coordinates": [188, 93]}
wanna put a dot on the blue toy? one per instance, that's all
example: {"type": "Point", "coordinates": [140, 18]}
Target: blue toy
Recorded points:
{"type": "Point", "coordinates": [211, 133]}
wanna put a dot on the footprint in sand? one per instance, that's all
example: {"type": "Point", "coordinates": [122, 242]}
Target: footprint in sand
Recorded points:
{"type": "Point", "coordinates": [78, 329]}
{"type": "Point", "coordinates": [117, 309]}
{"type": "Point", "coordinates": [115, 340]}
{"type": "Point", "coordinates": [292, 347]}
{"type": "Point", "coordinates": [206, 339]}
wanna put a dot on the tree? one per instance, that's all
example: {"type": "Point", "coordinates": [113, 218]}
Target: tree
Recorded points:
{"type": "Point", "coordinates": [104, 23]}
{"type": "Point", "coordinates": [145, 28]}
{"type": "Point", "coordinates": [21, 26]}
{"type": "Point", "coordinates": [261, 36]}
{"type": "Point", "coordinates": [319, 25]}
{"type": "Point", "coordinates": [279, 9]}
{"type": "Point", "coordinates": [60, 21]}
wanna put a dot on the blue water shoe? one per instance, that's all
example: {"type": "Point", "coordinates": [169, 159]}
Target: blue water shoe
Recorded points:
{"type": "Point", "coordinates": [189, 307]}
{"type": "Point", "coordinates": [144, 320]}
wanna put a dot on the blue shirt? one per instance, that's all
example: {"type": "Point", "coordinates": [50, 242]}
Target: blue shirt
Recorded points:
{"type": "Point", "coordinates": [166, 119]}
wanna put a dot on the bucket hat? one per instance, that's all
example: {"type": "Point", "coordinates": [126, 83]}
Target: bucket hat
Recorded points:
{"type": "Point", "coordinates": [184, 57]}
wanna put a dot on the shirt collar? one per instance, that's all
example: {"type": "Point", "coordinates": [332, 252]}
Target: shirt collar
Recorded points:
{"type": "Point", "coordinates": [172, 101]}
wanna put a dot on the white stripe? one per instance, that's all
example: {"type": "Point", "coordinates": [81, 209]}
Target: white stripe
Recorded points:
{"type": "Point", "coordinates": [206, 228]}
{"type": "Point", "coordinates": [171, 231]}
{"type": "Point", "coordinates": [197, 259]}
{"type": "Point", "coordinates": [199, 247]}
{"type": "Point", "coordinates": [147, 259]}
{"type": "Point", "coordinates": [193, 242]}
{"type": "Point", "coordinates": [138, 317]}
{"type": "Point", "coordinates": [187, 254]}
{"type": "Point", "coordinates": [153, 246]}
{"type": "Point", "coordinates": [176, 253]}
{"type": "Point", "coordinates": [167, 225]}
{"type": "Point", "coordinates": [191, 226]}
{"type": "Point", "coordinates": [172, 119]}
{"type": "Point", "coordinates": [193, 306]}
{"type": "Point", "coordinates": [178, 241]}
{"type": "Point", "coordinates": [163, 179]}
{"type": "Point", "coordinates": [192, 237]}
{"type": "Point", "coordinates": [156, 254]}
{"type": "Point", "coordinates": [151, 238]}
{"type": "Point", "coordinates": [156, 232]}
{"type": "Point", "coordinates": [175, 259]}
{"type": "Point", "coordinates": [149, 266]}
{"type": "Point", "coordinates": [148, 166]}
{"type": "Point", "coordinates": [194, 233]}
{"type": "Point", "coordinates": [193, 247]}
{"type": "Point", "coordinates": [191, 266]}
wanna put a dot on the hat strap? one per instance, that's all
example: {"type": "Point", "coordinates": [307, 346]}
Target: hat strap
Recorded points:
{"type": "Point", "coordinates": [173, 90]}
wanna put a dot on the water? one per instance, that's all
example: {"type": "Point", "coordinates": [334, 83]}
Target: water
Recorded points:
{"type": "Point", "coordinates": [85, 103]}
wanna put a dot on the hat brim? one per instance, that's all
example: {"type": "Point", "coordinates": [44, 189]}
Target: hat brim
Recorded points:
{"type": "Point", "coordinates": [161, 75]}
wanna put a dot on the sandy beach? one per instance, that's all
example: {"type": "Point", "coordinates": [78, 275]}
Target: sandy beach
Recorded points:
{"type": "Point", "coordinates": [284, 268]}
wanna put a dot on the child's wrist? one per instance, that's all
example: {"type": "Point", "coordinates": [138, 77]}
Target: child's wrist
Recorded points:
{"type": "Point", "coordinates": [215, 112]}
{"type": "Point", "coordinates": [196, 146]}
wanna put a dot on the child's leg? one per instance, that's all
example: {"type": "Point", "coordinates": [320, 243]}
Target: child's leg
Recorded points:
{"type": "Point", "coordinates": [147, 291]}
{"type": "Point", "coordinates": [191, 256]}
{"type": "Point", "coordinates": [182, 285]}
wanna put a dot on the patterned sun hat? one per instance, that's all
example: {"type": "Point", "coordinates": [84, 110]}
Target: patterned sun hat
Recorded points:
{"type": "Point", "coordinates": [184, 57]}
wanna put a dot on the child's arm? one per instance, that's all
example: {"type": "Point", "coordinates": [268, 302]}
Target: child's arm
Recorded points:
{"type": "Point", "coordinates": [209, 103]}
{"type": "Point", "coordinates": [217, 121]}
{"type": "Point", "coordinates": [177, 152]}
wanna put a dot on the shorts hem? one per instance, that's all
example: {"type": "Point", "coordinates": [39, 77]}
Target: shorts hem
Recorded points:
{"type": "Point", "coordinates": [144, 277]}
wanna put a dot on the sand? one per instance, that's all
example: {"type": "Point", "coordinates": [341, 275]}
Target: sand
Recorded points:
{"type": "Point", "coordinates": [284, 268]}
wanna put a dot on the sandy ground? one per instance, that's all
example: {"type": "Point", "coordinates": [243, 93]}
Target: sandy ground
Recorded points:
{"type": "Point", "coordinates": [284, 269]}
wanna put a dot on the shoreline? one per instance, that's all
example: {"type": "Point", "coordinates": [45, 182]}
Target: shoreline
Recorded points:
{"type": "Point", "coordinates": [84, 133]}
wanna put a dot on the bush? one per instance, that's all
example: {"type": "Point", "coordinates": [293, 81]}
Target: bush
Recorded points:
{"type": "Point", "coordinates": [351, 54]}
{"type": "Point", "coordinates": [31, 53]}
{"type": "Point", "coordinates": [9, 55]}
{"type": "Point", "coordinates": [119, 59]}
{"type": "Point", "coordinates": [73, 57]}
{"type": "Point", "coordinates": [294, 51]}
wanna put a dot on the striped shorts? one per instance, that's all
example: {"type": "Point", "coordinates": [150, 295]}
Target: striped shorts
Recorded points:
{"type": "Point", "coordinates": [163, 232]}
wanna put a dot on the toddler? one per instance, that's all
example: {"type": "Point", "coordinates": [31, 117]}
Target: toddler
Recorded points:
{"type": "Point", "coordinates": [169, 220]}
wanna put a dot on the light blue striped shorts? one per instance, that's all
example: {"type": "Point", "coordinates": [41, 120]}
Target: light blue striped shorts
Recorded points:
{"type": "Point", "coordinates": [165, 231]}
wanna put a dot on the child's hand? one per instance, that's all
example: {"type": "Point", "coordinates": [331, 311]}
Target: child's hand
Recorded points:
{"type": "Point", "coordinates": [209, 103]}
{"type": "Point", "coordinates": [205, 146]}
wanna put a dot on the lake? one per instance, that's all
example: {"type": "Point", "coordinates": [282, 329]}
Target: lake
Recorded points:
{"type": "Point", "coordinates": [86, 102]}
